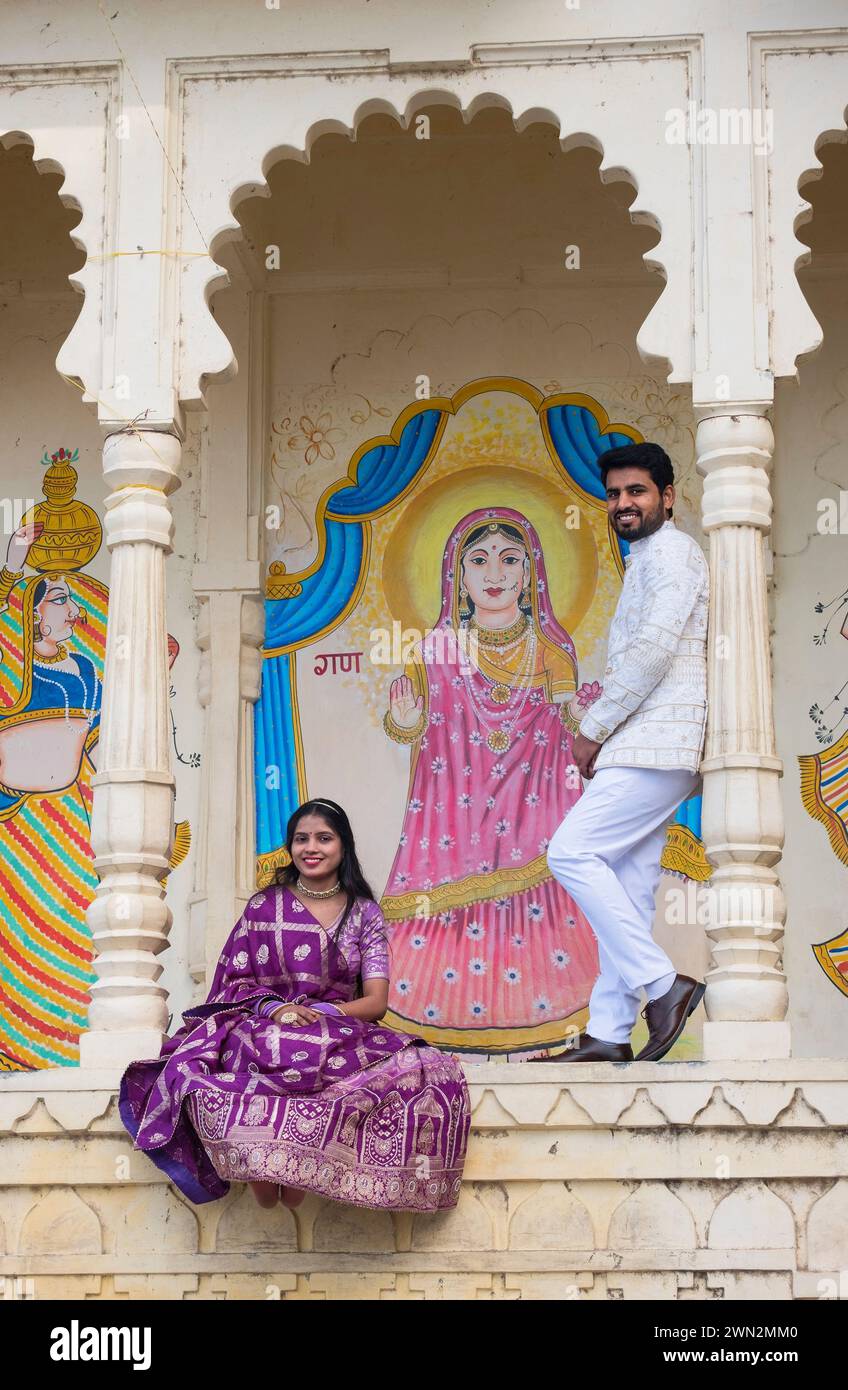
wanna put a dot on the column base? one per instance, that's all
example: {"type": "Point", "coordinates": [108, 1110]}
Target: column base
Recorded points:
{"type": "Point", "coordinates": [101, 1049]}
{"type": "Point", "coordinates": [746, 1042]}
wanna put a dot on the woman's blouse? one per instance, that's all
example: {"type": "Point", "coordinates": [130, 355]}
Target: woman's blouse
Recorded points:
{"type": "Point", "coordinates": [363, 942]}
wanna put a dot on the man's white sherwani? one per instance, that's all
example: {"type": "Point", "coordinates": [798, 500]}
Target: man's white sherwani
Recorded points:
{"type": "Point", "coordinates": [650, 721]}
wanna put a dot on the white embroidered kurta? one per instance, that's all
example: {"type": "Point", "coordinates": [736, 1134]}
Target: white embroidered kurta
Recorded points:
{"type": "Point", "coordinates": [653, 709]}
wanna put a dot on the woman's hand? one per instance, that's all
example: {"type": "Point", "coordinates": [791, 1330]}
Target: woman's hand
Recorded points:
{"type": "Point", "coordinates": [19, 545]}
{"type": "Point", "coordinates": [406, 710]}
{"type": "Point", "coordinates": [304, 1015]}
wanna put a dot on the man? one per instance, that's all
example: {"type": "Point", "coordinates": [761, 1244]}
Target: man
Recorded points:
{"type": "Point", "coordinates": [639, 749]}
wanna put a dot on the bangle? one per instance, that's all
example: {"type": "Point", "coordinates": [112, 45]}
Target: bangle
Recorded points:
{"type": "Point", "coordinates": [400, 735]}
{"type": "Point", "coordinates": [8, 580]}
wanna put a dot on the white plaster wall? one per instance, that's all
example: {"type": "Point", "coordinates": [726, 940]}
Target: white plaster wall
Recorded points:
{"type": "Point", "coordinates": [811, 464]}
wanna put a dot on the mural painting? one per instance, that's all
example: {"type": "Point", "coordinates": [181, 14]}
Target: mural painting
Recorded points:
{"type": "Point", "coordinates": [52, 646]}
{"type": "Point", "coordinates": [824, 785]}
{"type": "Point", "coordinates": [467, 571]}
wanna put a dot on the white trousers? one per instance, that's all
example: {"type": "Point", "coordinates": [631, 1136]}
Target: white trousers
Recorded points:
{"type": "Point", "coordinates": [606, 854]}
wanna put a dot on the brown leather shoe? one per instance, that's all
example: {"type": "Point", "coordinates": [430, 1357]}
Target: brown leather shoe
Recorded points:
{"type": "Point", "coordinates": [666, 1017]}
{"type": "Point", "coordinates": [589, 1049]}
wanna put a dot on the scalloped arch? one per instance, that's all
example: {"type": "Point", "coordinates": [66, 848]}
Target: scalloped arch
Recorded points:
{"type": "Point", "coordinates": [404, 114]}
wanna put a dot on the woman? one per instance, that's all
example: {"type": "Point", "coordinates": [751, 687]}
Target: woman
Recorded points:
{"type": "Point", "coordinates": [51, 654]}
{"type": "Point", "coordinates": [284, 1078]}
{"type": "Point", "coordinates": [490, 955]}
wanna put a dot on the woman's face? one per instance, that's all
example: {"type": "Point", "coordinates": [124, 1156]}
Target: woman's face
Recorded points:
{"type": "Point", "coordinates": [495, 569]}
{"type": "Point", "coordinates": [57, 613]}
{"type": "Point", "coordinates": [317, 849]}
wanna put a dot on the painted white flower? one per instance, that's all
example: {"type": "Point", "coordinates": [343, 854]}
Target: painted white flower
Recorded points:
{"type": "Point", "coordinates": [450, 975]}
{"type": "Point", "coordinates": [475, 931]}
{"type": "Point", "coordinates": [416, 804]}
{"type": "Point", "coordinates": [446, 841]}
{"type": "Point", "coordinates": [478, 966]}
{"type": "Point", "coordinates": [536, 697]}
{"type": "Point", "coordinates": [501, 904]}
{"type": "Point", "coordinates": [403, 839]}
{"type": "Point", "coordinates": [448, 917]}
{"type": "Point", "coordinates": [401, 879]}
{"type": "Point", "coordinates": [403, 986]}
{"type": "Point", "coordinates": [474, 837]}
{"type": "Point", "coordinates": [517, 940]}
{"type": "Point", "coordinates": [548, 774]}
{"type": "Point", "coordinates": [435, 689]}
{"type": "Point", "coordinates": [475, 738]}
{"type": "Point", "coordinates": [436, 717]}
{"type": "Point", "coordinates": [571, 922]}
{"type": "Point", "coordinates": [501, 827]}
{"type": "Point", "coordinates": [498, 770]}
{"type": "Point", "coordinates": [540, 738]}
{"type": "Point", "coordinates": [542, 1005]}
{"type": "Point", "coordinates": [439, 807]}
{"type": "Point", "coordinates": [543, 845]}
{"type": "Point", "coordinates": [532, 799]}
{"type": "Point", "coordinates": [418, 942]}
{"type": "Point", "coordinates": [456, 682]}
{"type": "Point", "coordinates": [464, 800]}
{"type": "Point", "coordinates": [535, 912]}
{"type": "Point", "coordinates": [512, 975]}
{"type": "Point", "coordinates": [477, 1009]}
{"type": "Point", "coordinates": [454, 738]}
{"type": "Point", "coordinates": [438, 765]}
{"type": "Point", "coordinates": [431, 1013]}
{"type": "Point", "coordinates": [424, 842]}
{"type": "Point", "coordinates": [515, 853]}
{"type": "Point", "coordinates": [485, 866]}
{"type": "Point", "coordinates": [466, 771]}
{"type": "Point", "coordinates": [560, 959]}
{"type": "Point", "coordinates": [525, 767]}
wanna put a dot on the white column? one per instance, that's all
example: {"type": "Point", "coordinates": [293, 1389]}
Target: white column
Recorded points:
{"type": "Point", "coordinates": [231, 627]}
{"type": "Point", "coordinates": [132, 819]}
{"type": "Point", "coordinates": [742, 821]}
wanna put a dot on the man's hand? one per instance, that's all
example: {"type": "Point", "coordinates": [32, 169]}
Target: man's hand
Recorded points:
{"type": "Point", "coordinates": [585, 751]}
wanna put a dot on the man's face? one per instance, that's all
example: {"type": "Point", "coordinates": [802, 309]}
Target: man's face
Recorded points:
{"type": "Point", "coordinates": [635, 504]}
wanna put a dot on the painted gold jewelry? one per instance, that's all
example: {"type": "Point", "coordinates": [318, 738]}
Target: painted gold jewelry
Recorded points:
{"type": "Point", "coordinates": [8, 580]}
{"type": "Point", "coordinates": [400, 735]}
{"type": "Point", "coordinates": [497, 637]}
{"type": "Point", "coordinates": [61, 655]}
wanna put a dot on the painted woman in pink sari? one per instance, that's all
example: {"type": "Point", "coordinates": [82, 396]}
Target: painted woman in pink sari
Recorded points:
{"type": "Point", "coordinates": [489, 954]}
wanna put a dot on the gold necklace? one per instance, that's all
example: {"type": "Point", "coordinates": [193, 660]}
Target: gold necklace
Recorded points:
{"type": "Point", "coordinates": [60, 655]}
{"type": "Point", "coordinates": [498, 637]}
{"type": "Point", "coordinates": [316, 892]}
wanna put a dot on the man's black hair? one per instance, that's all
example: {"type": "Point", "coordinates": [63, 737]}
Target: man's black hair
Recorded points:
{"type": "Point", "coordinates": [651, 457]}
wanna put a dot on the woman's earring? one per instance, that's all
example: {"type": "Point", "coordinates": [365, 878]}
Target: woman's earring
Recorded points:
{"type": "Point", "coordinates": [83, 616]}
{"type": "Point", "coordinates": [464, 607]}
{"type": "Point", "coordinates": [525, 597]}
{"type": "Point", "coordinates": [45, 631]}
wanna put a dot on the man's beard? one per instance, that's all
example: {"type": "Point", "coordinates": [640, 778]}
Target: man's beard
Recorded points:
{"type": "Point", "coordinates": [646, 527]}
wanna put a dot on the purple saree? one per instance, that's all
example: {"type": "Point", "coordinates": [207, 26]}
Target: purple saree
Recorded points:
{"type": "Point", "coordinates": [346, 1109]}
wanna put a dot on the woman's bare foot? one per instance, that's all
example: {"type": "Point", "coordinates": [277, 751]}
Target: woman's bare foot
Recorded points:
{"type": "Point", "coordinates": [265, 1193]}
{"type": "Point", "coordinates": [291, 1196]}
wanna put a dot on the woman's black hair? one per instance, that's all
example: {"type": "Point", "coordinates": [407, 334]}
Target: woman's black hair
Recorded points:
{"type": "Point", "coordinates": [477, 534]}
{"type": "Point", "coordinates": [351, 877]}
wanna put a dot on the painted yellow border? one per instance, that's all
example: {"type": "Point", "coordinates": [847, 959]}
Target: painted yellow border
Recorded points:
{"type": "Point", "coordinates": [814, 803]}
{"type": "Point", "coordinates": [533, 1036]}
